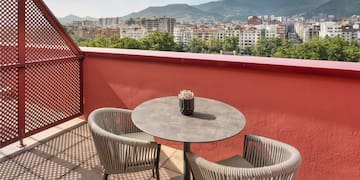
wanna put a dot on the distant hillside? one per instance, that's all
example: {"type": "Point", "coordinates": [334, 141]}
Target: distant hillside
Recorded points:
{"type": "Point", "coordinates": [182, 12]}
{"type": "Point", "coordinates": [224, 10]}
{"type": "Point", "coordinates": [339, 8]}
{"type": "Point", "coordinates": [241, 9]}
{"type": "Point", "coordinates": [70, 18]}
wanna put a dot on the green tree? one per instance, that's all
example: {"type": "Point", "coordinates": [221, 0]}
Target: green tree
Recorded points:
{"type": "Point", "coordinates": [247, 51]}
{"type": "Point", "coordinates": [78, 39]}
{"type": "Point", "coordinates": [125, 43]}
{"type": "Point", "coordinates": [352, 52]}
{"type": "Point", "coordinates": [313, 49]}
{"type": "Point", "coordinates": [197, 46]}
{"type": "Point", "coordinates": [180, 47]}
{"type": "Point", "coordinates": [284, 50]}
{"type": "Point", "coordinates": [158, 41]}
{"type": "Point", "coordinates": [214, 45]}
{"type": "Point", "coordinates": [98, 41]}
{"type": "Point", "coordinates": [266, 47]}
{"type": "Point", "coordinates": [335, 48]}
{"type": "Point", "coordinates": [230, 43]}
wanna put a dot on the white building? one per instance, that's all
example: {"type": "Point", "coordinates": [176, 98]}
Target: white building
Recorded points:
{"type": "Point", "coordinates": [331, 29]}
{"type": "Point", "coordinates": [307, 31]}
{"type": "Point", "coordinates": [221, 34]}
{"type": "Point", "coordinates": [248, 37]}
{"type": "Point", "coordinates": [133, 31]}
{"type": "Point", "coordinates": [350, 34]}
{"type": "Point", "coordinates": [182, 34]}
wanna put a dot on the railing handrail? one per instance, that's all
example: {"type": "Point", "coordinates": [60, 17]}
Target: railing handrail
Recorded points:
{"type": "Point", "coordinates": [320, 67]}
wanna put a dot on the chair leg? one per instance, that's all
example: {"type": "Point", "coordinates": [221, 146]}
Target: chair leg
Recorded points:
{"type": "Point", "coordinates": [157, 174]}
{"type": "Point", "coordinates": [105, 177]}
{"type": "Point", "coordinates": [157, 163]}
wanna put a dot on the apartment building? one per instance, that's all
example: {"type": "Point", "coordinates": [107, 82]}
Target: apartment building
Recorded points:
{"type": "Point", "coordinates": [330, 29]}
{"type": "Point", "coordinates": [134, 31]}
{"type": "Point", "coordinates": [350, 34]}
{"type": "Point", "coordinates": [110, 21]}
{"type": "Point", "coordinates": [307, 30]}
{"type": "Point", "coordinates": [227, 31]}
{"type": "Point", "coordinates": [248, 36]}
{"type": "Point", "coordinates": [204, 33]}
{"type": "Point", "coordinates": [164, 24]}
{"type": "Point", "coordinates": [183, 34]}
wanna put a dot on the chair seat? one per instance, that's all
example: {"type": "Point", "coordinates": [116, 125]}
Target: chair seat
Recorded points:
{"type": "Point", "coordinates": [236, 161]}
{"type": "Point", "coordinates": [140, 135]}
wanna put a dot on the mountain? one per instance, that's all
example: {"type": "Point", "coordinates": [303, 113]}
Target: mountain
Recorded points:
{"type": "Point", "coordinates": [70, 18]}
{"type": "Point", "coordinates": [182, 12]}
{"type": "Point", "coordinates": [241, 9]}
{"type": "Point", "coordinates": [339, 8]}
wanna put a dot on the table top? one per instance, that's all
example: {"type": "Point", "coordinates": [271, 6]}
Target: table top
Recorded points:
{"type": "Point", "coordinates": [212, 120]}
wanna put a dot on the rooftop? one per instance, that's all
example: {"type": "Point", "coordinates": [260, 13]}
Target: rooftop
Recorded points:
{"type": "Point", "coordinates": [46, 80]}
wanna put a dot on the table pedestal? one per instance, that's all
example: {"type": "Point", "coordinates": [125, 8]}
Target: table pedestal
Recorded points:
{"type": "Point", "coordinates": [186, 164]}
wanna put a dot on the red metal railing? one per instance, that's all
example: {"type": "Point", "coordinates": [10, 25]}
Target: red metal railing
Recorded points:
{"type": "Point", "coordinates": [41, 83]}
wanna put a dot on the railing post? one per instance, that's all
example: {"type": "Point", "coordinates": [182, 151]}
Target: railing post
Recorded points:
{"type": "Point", "coordinates": [21, 71]}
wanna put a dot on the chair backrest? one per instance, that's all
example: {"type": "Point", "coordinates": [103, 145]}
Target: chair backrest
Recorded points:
{"type": "Point", "coordinates": [272, 160]}
{"type": "Point", "coordinates": [117, 153]}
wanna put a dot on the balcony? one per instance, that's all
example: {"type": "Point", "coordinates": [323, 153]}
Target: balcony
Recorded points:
{"type": "Point", "coordinates": [309, 104]}
{"type": "Point", "coordinates": [312, 105]}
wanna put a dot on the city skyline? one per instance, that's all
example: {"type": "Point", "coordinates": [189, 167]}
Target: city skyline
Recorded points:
{"type": "Point", "coordinates": [108, 8]}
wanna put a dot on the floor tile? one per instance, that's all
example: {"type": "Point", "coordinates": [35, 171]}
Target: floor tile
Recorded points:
{"type": "Point", "coordinates": [64, 162]}
{"type": "Point", "coordinates": [92, 164]}
{"type": "Point", "coordinates": [82, 130]}
{"type": "Point", "coordinates": [80, 152]}
{"type": "Point", "coordinates": [10, 170]}
{"type": "Point", "coordinates": [28, 159]}
{"type": "Point", "coordinates": [164, 174]}
{"type": "Point", "coordinates": [175, 162]}
{"type": "Point", "coordinates": [135, 175]}
{"type": "Point", "coordinates": [82, 174]}
{"type": "Point", "coordinates": [28, 176]}
{"type": "Point", "coordinates": [46, 150]}
{"type": "Point", "coordinates": [50, 170]}
{"type": "Point", "coordinates": [165, 153]}
{"type": "Point", "coordinates": [41, 153]}
{"type": "Point", "coordinates": [64, 141]}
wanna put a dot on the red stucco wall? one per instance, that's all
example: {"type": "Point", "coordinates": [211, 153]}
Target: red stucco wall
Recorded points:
{"type": "Point", "coordinates": [317, 111]}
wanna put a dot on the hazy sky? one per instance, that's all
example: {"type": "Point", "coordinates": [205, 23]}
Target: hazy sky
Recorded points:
{"type": "Point", "coordinates": [107, 8]}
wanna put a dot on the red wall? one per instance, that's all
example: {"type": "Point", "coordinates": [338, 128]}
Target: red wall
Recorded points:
{"type": "Point", "coordinates": [315, 109]}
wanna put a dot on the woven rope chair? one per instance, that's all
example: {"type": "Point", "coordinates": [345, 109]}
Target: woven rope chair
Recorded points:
{"type": "Point", "coordinates": [263, 159]}
{"type": "Point", "coordinates": [121, 146]}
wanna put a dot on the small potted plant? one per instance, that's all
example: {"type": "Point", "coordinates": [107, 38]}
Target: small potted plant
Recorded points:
{"type": "Point", "coordinates": [186, 102]}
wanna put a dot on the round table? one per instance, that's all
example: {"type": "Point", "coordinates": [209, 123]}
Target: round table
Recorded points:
{"type": "Point", "coordinates": [212, 120]}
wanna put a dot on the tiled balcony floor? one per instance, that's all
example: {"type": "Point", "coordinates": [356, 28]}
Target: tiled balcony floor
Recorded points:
{"type": "Point", "coordinates": [72, 155]}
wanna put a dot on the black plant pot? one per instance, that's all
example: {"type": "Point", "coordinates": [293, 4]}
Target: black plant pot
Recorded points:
{"type": "Point", "coordinates": [186, 106]}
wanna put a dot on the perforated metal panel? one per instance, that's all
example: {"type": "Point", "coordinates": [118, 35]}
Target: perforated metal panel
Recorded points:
{"type": "Point", "coordinates": [43, 42]}
{"type": "Point", "coordinates": [8, 32]}
{"type": "Point", "coordinates": [52, 93]}
{"type": "Point", "coordinates": [8, 75]}
{"type": "Point", "coordinates": [8, 105]}
{"type": "Point", "coordinates": [40, 67]}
